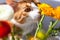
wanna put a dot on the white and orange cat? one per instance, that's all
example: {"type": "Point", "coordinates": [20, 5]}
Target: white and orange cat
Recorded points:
{"type": "Point", "coordinates": [26, 16]}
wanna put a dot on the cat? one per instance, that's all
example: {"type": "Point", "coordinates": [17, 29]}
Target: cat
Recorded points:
{"type": "Point", "coordinates": [26, 16]}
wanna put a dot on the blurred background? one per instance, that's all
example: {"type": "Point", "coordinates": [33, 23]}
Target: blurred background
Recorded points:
{"type": "Point", "coordinates": [53, 3]}
{"type": "Point", "coordinates": [46, 21]}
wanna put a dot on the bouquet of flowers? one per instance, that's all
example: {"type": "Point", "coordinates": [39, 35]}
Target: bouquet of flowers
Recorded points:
{"type": "Point", "coordinates": [47, 10]}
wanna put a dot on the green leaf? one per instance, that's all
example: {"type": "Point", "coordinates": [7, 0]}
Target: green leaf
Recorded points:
{"type": "Point", "coordinates": [51, 27]}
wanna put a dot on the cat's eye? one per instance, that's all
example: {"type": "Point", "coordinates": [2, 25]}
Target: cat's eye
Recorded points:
{"type": "Point", "coordinates": [27, 9]}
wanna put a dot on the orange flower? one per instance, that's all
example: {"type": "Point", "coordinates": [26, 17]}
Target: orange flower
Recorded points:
{"type": "Point", "coordinates": [57, 13]}
{"type": "Point", "coordinates": [33, 38]}
{"type": "Point", "coordinates": [46, 9]}
{"type": "Point", "coordinates": [49, 11]}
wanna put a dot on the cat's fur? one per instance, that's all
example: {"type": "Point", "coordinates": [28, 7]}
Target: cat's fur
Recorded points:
{"type": "Point", "coordinates": [26, 20]}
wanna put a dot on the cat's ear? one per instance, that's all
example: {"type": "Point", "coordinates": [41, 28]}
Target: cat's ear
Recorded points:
{"type": "Point", "coordinates": [11, 2]}
{"type": "Point", "coordinates": [20, 0]}
{"type": "Point", "coordinates": [36, 2]}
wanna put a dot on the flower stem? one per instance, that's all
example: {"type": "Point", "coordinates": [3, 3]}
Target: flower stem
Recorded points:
{"type": "Point", "coordinates": [5, 38]}
{"type": "Point", "coordinates": [51, 26]}
{"type": "Point", "coordinates": [13, 36]}
{"type": "Point", "coordinates": [39, 25]}
{"type": "Point", "coordinates": [12, 33]}
{"type": "Point", "coordinates": [55, 23]}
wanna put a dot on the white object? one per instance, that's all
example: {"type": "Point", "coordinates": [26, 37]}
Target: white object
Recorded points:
{"type": "Point", "coordinates": [6, 12]}
{"type": "Point", "coordinates": [58, 37]}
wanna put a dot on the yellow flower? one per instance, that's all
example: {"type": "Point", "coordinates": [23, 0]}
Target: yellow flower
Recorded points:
{"type": "Point", "coordinates": [43, 5]}
{"type": "Point", "coordinates": [41, 35]}
{"type": "Point", "coordinates": [45, 8]}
